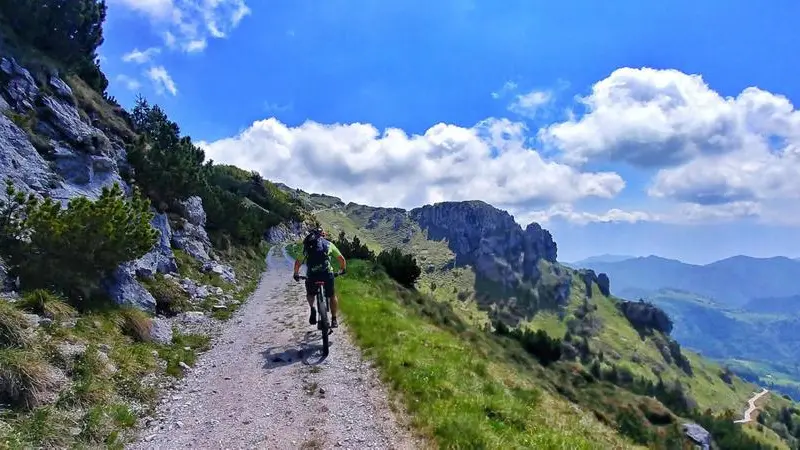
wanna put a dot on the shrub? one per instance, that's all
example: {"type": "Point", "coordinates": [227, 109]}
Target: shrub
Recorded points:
{"type": "Point", "coordinates": [47, 304]}
{"type": "Point", "coordinates": [544, 348]}
{"type": "Point", "coordinates": [12, 327]}
{"type": "Point", "coordinates": [401, 267]}
{"type": "Point", "coordinates": [353, 249]}
{"type": "Point", "coordinates": [26, 380]}
{"type": "Point", "coordinates": [70, 250]}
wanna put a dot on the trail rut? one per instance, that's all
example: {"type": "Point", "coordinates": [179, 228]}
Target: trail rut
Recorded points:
{"type": "Point", "coordinates": [253, 389]}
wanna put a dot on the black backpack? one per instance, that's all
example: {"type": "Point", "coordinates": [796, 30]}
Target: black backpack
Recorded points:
{"type": "Point", "coordinates": [315, 249]}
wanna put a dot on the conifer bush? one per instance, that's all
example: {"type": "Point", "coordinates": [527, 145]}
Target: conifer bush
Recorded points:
{"type": "Point", "coordinates": [70, 250]}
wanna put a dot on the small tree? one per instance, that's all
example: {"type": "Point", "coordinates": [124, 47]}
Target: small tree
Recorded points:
{"type": "Point", "coordinates": [71, 250]}
{"type": "Point", "coordinates": [401, 267]}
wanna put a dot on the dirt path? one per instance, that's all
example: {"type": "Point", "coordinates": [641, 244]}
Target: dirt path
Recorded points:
{"type": "Point", "coordinates": [254, 390]}
{"type": "Point", "coordinates": [751, 407]}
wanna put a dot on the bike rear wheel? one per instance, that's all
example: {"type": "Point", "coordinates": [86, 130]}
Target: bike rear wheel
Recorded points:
{"type": "Point", "coordinates": [324, 324]}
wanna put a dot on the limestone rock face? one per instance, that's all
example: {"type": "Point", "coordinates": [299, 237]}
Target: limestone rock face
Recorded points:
{"type": "Point", "coordinates": [489, 240]}
{"type": "Point", "coordinates": [48, 147]}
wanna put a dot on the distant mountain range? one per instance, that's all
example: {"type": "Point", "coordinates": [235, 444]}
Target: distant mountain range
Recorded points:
{"type": "Point", "coordinates": [733, 282]}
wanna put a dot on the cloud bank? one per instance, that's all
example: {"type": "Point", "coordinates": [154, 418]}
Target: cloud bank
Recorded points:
{"type": "Point", "coordinates": [708, 157]}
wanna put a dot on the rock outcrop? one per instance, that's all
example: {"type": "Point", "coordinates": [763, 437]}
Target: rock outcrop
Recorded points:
{"type": "Point", "coordinates": [161, 259]}
{"type": "Point", "coordinates": [283, 233]}
{"type": "Point", "coordinates": [646, 317]}
{"type": "Point", "coordinates": [48, 126]}
{"type": "Point", "coordinates": [50, 148]}
{"type": "Point", "coordinates": [589, 277]}
{"type": "Point", "coordinates": [489, 240]}
{"type": "Point", "coordinates": [192, 238]}
{"type": "Point", "coordinates": [191, 235]}
{"type": "Point", "coordinates": [698, 435]}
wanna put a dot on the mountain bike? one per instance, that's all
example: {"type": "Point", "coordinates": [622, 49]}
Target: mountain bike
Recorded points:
{"type": "Point", "coordinates": [323, 308]}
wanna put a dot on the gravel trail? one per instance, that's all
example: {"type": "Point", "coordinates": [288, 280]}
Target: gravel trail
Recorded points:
{"type": "Point", "coordinates": [261, 385]}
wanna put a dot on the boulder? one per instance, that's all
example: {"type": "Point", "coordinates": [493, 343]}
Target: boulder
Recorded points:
{"type": "Point", "coordinates": [20, 87]}
{"type": "Point", "coordinates": [194, 240]}
{"type": "Point", "coordinates": [225, 272]}
{"type": "Point", "coordinates": [161, 331]}
{"type": "Point", "coordinates": [193, 211]}
{"type": "Point", "coordinates": [191, 237]}
{"type": "Point", "coordinates": [160, 259]}
{"type": "Point", "coordinates": [20, 162]}
{"type": "Point", "coordinates": [698, 435]}
{"type": "Point", "coordinates": [61, 88]}
{"type": "Point", "coordinates": [124, 289]}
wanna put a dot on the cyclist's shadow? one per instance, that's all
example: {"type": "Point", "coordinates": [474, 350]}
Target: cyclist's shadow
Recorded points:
{"type": "Point", "coordinates": [309, 352]}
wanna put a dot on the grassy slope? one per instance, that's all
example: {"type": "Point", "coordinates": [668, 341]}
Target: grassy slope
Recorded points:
{"type": "Point", "coordinates": [463, 391]}
{"type": "Point", "coordinates": [454, 287]}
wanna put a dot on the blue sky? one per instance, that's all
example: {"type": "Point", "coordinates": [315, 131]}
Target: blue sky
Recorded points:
{"type": "Point", "coordinates": [624, 127]}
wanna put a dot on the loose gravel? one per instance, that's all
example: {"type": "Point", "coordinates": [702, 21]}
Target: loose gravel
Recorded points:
{"type": "Point", "coordinates": [262, 385]}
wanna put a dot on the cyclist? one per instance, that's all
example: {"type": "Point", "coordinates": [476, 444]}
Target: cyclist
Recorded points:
{"type": "Point", "coordinates": [317, 250]}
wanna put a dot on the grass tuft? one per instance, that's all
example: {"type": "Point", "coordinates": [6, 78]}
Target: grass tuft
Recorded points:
{"type": "Point", "coordinates": [92, 378]}
{"type": "Point", "coordinates": [13, 327]}
{"type": "Point", "coordinates": [184, 349]}
{"type": "Point", "coordinates": [136, 324]}
{"type": "Point", "coordinates": [47, 304]}
{"type": "Point", "coordinates": [26, 380]}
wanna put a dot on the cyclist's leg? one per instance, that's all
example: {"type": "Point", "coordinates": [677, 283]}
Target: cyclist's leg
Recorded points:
{"type": "Point", "coordinates": [330, 292]}
{"type": "Point", "coordinates": [311, 292]}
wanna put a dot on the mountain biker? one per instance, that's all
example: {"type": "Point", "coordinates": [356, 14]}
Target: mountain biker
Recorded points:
{"type": "Point", "coordinates": [317, 250]}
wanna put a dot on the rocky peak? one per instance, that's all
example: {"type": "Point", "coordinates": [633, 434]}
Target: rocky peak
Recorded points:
{"type": "Point", "coordinates": [488, 239]}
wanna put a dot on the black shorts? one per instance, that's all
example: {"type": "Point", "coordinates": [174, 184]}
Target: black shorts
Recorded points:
{"type": "Point", "coordinates": [326, 277]}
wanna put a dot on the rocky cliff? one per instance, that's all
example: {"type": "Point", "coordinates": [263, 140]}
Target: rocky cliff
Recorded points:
{"type": "Point", "coordinates": [489, 240]}
{"type": "Point", "coordinates": [61, 142]}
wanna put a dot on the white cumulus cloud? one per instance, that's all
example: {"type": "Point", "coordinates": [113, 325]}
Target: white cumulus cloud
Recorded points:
{"type": "Point", "coordinates": [718, 156]}
{"type": "Point", "coordinates": [359, 163]}
{"type": "Point", "coordinates": [162, 81]}
{"type": "Point", "coordinates": [529, 104]}
{"type": "Point", "coordinates": [566, 212]}
{"type": "Point", "coordinates": [188, 24]}
{"type": "Point", "coordinates": [141, 56]}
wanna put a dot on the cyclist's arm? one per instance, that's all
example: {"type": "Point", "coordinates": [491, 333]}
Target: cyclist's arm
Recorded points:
{"type": "Point", "coordinates": [297, 265]}
{"type": "Point", "coordinates": [299, 262]}
{"type": "Point", "coordinates": [334, 251]}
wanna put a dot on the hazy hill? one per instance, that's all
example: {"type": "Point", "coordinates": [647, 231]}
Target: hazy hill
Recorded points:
{"type": "Point", "coordinates": [733, 281]}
